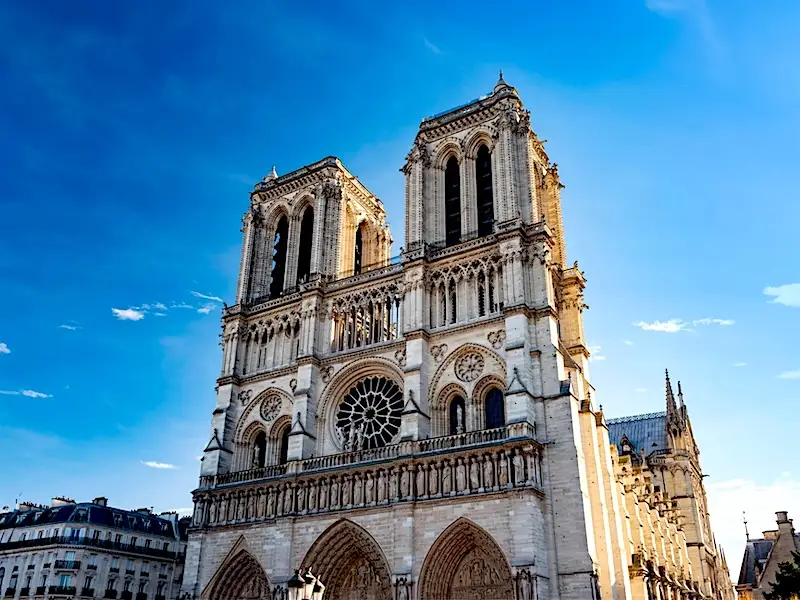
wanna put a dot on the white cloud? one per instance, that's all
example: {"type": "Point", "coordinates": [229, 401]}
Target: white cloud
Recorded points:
{"type": "Point", "coordinates": [696, 12]}
{"type": "Point", "coordinates": [595, 352]}
{"type": "Point", "coordinates": [671, 326]}
{"type": "Point", "coordinates": [206, 297]}
{"type": "Point", "coordinates": [627, 342]}
{"type": "Point", "coordinates": [159, 306]}
{"type": "Point", "coordinates": [157, 465]}
{"type": "Point", "coordinates": [206, 308]}
{"type": "Point", "coordinates": [181, 305]}
{"type": "Point", "coordinates": [760, 501]}
{"type": "Point", "coordinates": [182, 512]}
{"type": "Point", "coordinates": [740, 364]}
{"type": "Point", "coordinates": [159, 314]}
{"type": "Point", "coordinates": [788, 295]}
{"type": "Point", "coordinates": [26, 393]}
{"type": "Point", "coordinates": [710, 321]}
{"type": "Point", "coordinates": [641, 390]}
{"type": "Point", "coordinates": [790, 374]}
{"type": "Point", "coordinates": [4, 349]}
{"type": "Point", "coordinates": [431, 46]}
{"type": "Point", "coordinates": [128, 314]}
{"type": "Point", "coordinates": [69, 327]}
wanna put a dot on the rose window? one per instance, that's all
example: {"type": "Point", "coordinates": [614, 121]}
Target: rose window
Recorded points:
{"type": "Point", "coordinates": [469, 367]}
{"type": "Point", "coordinates": [369, 415]}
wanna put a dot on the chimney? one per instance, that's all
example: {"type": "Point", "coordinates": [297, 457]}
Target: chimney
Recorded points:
{"type": "Point", "coordinates": [25, 506]}
{"type": "Point", "coordinates": [143, 511]}
{"type": "Point", "coordinates": [100, 501]}
{"type": "Point", "coordinates": [784, 523]}
{"type": "Point", "coordinates": [61, 501]}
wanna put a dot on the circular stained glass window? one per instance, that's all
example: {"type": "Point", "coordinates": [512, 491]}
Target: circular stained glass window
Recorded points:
{"type": "Point", "coordinates": [369, 415]}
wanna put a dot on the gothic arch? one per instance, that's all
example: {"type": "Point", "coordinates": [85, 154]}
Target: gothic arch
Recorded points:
{"type": "Point", "coordinates": [252, 414]}
{"type": "Point", "coordinates": [440, 424]}
{"type": "Point", "coordinates": [448, 148]}
{"type": "Point", "coordinates": [348, 560]}
{"type": "Point", "coordinates": [252, 422]}
{"type": "Point", "coordinates": [338, 387]}
{"type": "Point", "coordinates": [479, 137]}
{"type": "Point", "coordinates": [465, 562]}
{"type": "Point", "coordinates": [239, 577]}
{"type": "Point", "coordinates": [493, 364]}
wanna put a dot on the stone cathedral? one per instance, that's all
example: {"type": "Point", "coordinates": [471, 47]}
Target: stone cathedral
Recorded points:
{"type": "Point", "coordinates": [422, 427]}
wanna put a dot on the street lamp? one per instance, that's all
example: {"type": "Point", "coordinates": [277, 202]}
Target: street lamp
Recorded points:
{"type": "Point", "coordinates": [305, 586]}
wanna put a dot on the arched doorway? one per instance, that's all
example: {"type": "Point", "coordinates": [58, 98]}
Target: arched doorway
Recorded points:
{"type": "Point", "coordinates": [350, 563]}
{"type": "Point", "coordinates": [239, 577]}
{"type": "Point", "coordinates": [465, 563]}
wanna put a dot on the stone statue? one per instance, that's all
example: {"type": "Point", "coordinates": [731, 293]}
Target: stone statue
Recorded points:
{"type": "Point", "coordinates": [346, 485]}
{"type": "Point", "coordinates": [503, 475]}
{"type": "Point", "coordinates": [404, 483]}
{"type": "Point", "coordinates": [474, 474]}
{"type": "Point", "coordinates": [422, 488]}
{"type": "Point", "coordinates": [433, 479]}
{"type": "Point", "coordinates": [459, 419]}
{"type": "Point", "coordinates": [358, 490]}
{"type": "Point", "coordinates": [301, 497]}
{"type": "Point", "coordinates": [287, 500]}
{"type": "Point", "coordinates": [342, 435]}
{"type": "Point", "coordinates": [359, 438]}
{"type": "Point", "coordinates": [256, 462]}
{"type": "Point", "coordinates": [393, 485]}
{"type": "Point", "coordinates": [312, 496]}
{"type": "Point", "coordinates": [488, 471]}
{"type": "Point", "coordinates": [212, 512]}
{"type": "Point", "coordinates": [351, 438]}
{"type": "Point", "coordinates": [334, 492]}
{"type": "Point", "coordinates": [271, 502]}
{"type": "Point", "coordinates": [403, 588]}
{"type": "Point", "coordinates": [519, 469]}
{"type": "Point", "coordinates": [447, 482]}
{"type": "Point", "coordinates": [461, 475]}
{"type": "Point", "coordinates": [369, 491]}
{"type": "Point", "coordinates": [382, 486]}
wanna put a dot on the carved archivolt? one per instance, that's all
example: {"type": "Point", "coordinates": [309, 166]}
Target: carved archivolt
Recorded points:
{"type": "Point", "coordinates": [445, 374]}
{"type": "Point", "coordinates": [465, 563]}
{"type": "Point", "coordinates": [350, 562]}
{"type": "Point", "coordinates": [239, 576]}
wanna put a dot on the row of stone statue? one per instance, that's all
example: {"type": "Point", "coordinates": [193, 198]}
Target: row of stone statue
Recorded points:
{"type": "Point", "coordinates": [468, 473]}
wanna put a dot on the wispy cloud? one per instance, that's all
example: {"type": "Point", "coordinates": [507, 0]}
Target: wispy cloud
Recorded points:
{"type": "Point", "coordinates": [431, 46]}
{"type": "Point", "coordinates": [641, 390]}
{"type": "Point", "coordinates": [180, 305]}
{"type": "Point", "coordinates": [671, 326]}
{"type": "Point", "coordinates": [627, 342]}
{"type": "Point", "coordinates": [740, 364]}
{"type": "Point", "coordinates": [710, 321]}
{"type": "Point", "coordinates": [157, 465]}
{"type": "Point", "coordinates": [206, 308]}
{"type": "Point", "coordinates": [207, 297]}
{"type": "Point", "coordinates": [26, 393]}
{"type": "Point", "coordinates": [676, 325]}
{"type": "Point", "coordinates": [127, 314]}
{"type": "Point", "coordinates": [596, 353]}
{"type": "Point", "coordinates": [241, 178]}
{"type": "Point", "coordinates": [67, 326]}
{"type": "Point", "coordinates": [695, 12]}
{"type": "Point", "coordinates": [790, 374]}
{"type": "Point", "coordinates": [788, 294]}
{"type": "Point", "coordinates": [4, 349]}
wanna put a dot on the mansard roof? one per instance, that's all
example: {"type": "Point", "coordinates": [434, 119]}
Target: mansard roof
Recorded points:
{"type": "Point", "coordinates": [647, 431]}
{"type": "Point", "coordinates": [756, 553]}
{"type": "Point", "coordinates": [91, 514]}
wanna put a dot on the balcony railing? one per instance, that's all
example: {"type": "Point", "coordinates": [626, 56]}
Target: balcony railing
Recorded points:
{"type": "Point", "coordinates": [87, 592]}
{"type": "Point", "coordinates": [110, 594]}
{"type": "Point", "coordinates": [114, 570]}
{"type": "Point", "coordinates": [145, 573]}
{"type": "Point", "coordinates": [10, 592]}
{"type": "Point", "coordinates": [162, 575]}
{"type": "Point", "coordinates": [344, 459]}
{"type": "Point", "coordinates": [466, 464]}
{"type": "Point", "coordinates": [92, 567]}
{"type": "Point", "coordinates": [71, 565]}
{"type": "Point", "coordinates": [40, 590]}
{"type": "Point", "coordinates": [24, 592]}
{"type": "Point", "coordinates": [62, 590]}
{"type": "Point", "coordinates": [130, 571]}
{"type": "Point", "coordinates": [126, 595]}
{"type": "Point", "coordinates": [160, 597]}
{"type": "Point", "coordinates": [141, 595]}
{"type": "Point", "coordinates": [31, 567]}
{"type": "Point", "coordinates": [93, 543]}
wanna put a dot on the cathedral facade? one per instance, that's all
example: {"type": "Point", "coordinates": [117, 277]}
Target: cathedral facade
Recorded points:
{"type": "Point", "coordinates": [422, 427]}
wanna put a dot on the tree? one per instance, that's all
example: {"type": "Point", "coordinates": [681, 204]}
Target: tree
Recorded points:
{"type": "Point", "coordinates": [787, 580]}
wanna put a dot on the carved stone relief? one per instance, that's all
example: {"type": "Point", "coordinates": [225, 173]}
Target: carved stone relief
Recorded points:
{"type": "Point", "coordinates": [469, 367]}
{"type": "Point", "coordinates": [497, 338]}
{"type": "Point", "coordinates": [438, 352]}
{"type": "Point", "coordinates": [270, 407]}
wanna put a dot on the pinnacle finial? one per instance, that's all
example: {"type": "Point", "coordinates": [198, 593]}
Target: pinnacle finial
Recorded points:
{"type": "Point", "coordinates": [272, 175]}
{"type": "Point", "coordinates": [500, 82]}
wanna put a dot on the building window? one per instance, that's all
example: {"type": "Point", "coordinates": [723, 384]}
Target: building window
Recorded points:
{"type": "Point", "coordinates": [112, 584]}
{"type": "Point", "coordinates": [457, 406]}
{"type": "Point", "coordinates": [126, 587]}
{"type": "Point", "coordinates": [87, 584]}
{"type": "Point", "coordinates": [2, 575]}
{"type": "Point", "coordinates": [134, 539]}
{"type": "Point", "coordinates": [495, 409]}
{"type": "Point", "coordinates": [358, 251]}
{"type": "Point", "coordinates": [284, 450]}
{"type": "Point", "coordinates": [69, 555]}
{"type": "Point", "coordinates": [130, 565]}
{"type": "Point", "coordinates": [166, 546]}
{"type": "Point", "coordinates": [39, 535]}
{"type": "Point", "coordinates": [483, 180]}
{"type": "Point", "coordinates": [23, 536]}
{"type": "Point", "coordinates": [65, 581]}
{"type": "Point", "coordinates": [452, 202]}
{"type": "Point", "coordinates": [306, 241]}
{"type": "Point", "coordinates": [279, 244]}
{"type": "Point", "coordinates": [118, 538]}
{"type": "Point", "coordinates": [259, 450]}
{"type": "Point", "coordinates": [147, 543]}
{"type": "Point", "coordinates": [142, 587]}
{"type": "Point", "coordinates": [92, 560]}
{"type": "Point", "coordinates": [44, 579]}
{"type": "Point", "coordinates": [115, 562]}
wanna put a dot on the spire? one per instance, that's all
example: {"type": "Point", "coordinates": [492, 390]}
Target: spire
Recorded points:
{"type": "Point", "coordinates": [746, 533]}
{"type": "Point", "coordinates": [680, 396]}
{"type": "Point", "coordinates": [501, 83]}
{"type": "Point", "coordinates": [272, 175]}
{"type": "Point", "coordinates": [670, 396]}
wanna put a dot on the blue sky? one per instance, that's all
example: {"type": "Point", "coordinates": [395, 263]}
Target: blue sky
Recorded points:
{"type": "Point", "coordinates": [133, 134]}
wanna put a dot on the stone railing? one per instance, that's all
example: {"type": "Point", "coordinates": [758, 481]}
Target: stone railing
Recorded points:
{"type": "Point", "coordinates": [347, 459]}
{"type": "Point", "coordinates": [411, 475]}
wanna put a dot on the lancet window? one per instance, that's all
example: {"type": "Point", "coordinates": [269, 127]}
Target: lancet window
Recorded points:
{"type": "Point", "coordinates": [483, 181]}
{"type": "Point", "coordinates": [306, 242]}
{"type": "Point", "coordinates": [271, 345]}
{"type": "Point", "coordinates": [452, 202]}
{"type": "Point", "coordinates": [494, 405]}
{"type": "Point", "coordinates": [259, 456]}
{"type": "Point", "coordinates": [457, 412]}
{"type": "Point", "coordinates": [365, 319]}
{"type": "Point", "coordinates": [279, 246]}
{"type": "Point", "coordinates": [358, 250]}
{"type": "Point", "coordinates": [465, 293]}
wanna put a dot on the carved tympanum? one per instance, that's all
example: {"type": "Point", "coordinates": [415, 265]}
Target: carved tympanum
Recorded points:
{"type": "Point", "coordinates": [270, 407]}
{"type": "Point", "coordinates": [469, 367]}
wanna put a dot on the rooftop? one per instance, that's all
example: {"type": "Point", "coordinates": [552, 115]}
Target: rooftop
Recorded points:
{"type": "Point", "coordinates": [647, 431]}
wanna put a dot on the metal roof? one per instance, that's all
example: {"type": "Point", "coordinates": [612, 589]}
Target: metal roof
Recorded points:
{"type": "Point", "coordinates": [648, 431]}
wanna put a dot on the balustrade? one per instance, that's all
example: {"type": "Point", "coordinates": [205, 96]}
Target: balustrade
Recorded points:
{"type": "Point", "coordinates": [465, 292]}
{"type": "Point", "coordinates": [411, 476]}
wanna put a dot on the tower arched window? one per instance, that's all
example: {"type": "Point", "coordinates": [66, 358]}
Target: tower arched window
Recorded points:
{"type": "Point", "coordinates": [483, 181]}
{"type": "Point", "coordinates": [358, 250]}
{"type": "Point", "coordinates": [259, 450]}
{"type": "Point", "coordinates": [452, 202]}
{"type": "Point", "coordinates": [494, 405]}
{"type": "Point", "coordinates": [283, 455]}
{"type": "Point", "coordinates": [279, 244]}
{"type": "Point", "coordinates": [457, 415]}
{"type": "Point", "coordinates": [304, 251]}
